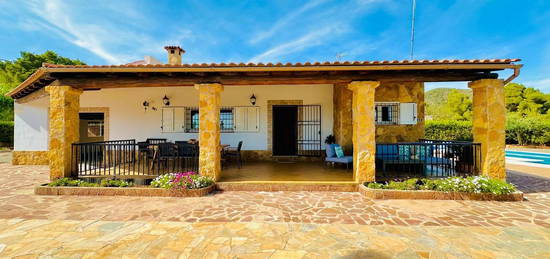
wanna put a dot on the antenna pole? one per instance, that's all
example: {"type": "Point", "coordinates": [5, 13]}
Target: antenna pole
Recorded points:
{"type": "Point", "coordinates": [412, 28]}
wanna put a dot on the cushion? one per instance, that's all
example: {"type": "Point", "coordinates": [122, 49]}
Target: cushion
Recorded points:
{"type": "Point", "coordinates": [342, 160]}
{"type": "Point", "coordinates": [339, 151]}
{"type": "Point", "coordinates": [329, 149]}
{"type": "Point", "coordinates": [404, 152]}
{"type": "Point", "coordinates": [423, 152]}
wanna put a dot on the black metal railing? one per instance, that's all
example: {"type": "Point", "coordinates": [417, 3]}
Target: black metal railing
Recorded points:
{"type": "Point", "coordinates": [428, 158]}
{"type": "Point", "coordinates": [128, 159]}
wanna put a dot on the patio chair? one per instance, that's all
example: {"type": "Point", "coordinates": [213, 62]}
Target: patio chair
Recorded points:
{"type": "Point", "coordinates": [166, 151]}
{"type": "Point", "coordinates": [234, 152]}
{"type": "Point", "coordinates": [333, 158]}
{"type": "Point", "coordinates": [188, 154]}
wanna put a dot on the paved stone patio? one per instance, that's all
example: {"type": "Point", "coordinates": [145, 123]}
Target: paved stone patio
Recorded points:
{"type": "Point", "coordinates": [244, 224]}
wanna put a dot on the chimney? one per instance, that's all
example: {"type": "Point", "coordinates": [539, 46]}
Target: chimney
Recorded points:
{"type": "Point", "coordinates": [174, 54]}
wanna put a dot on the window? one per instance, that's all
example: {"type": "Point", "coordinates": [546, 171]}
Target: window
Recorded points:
{"type": "Point", "coordinates": [95, 129]}
{"type": "Point", "coordinates": [386, 113]}
{"type": "Point", "coordinates": [192, 119]}
{"type": "Point", "coordinates": [232, 119]}
{"type": "Point", "coordinates": [226, 119]}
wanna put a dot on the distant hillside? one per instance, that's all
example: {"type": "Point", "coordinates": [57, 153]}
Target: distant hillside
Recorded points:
{"type": "Point", "coordinates": [438, 96]}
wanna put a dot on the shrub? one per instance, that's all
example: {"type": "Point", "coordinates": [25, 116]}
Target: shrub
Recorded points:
{"type": "Point", "coordinates": [187, 180]}
{"type": "Point", "coordinates": [79, 183]}
{"type": "Point", "coordinates": [71, 182]}
{"type": "Point", "coordinates": [472, 184]}
{"type": "Point", "coordinates": [519, 130]}
{"type": "Point", "coordinates": [449, 130]}
{"type": "Point", "coordinates": [6, 132]}
{"type": "Point", "coordinates": [115, 183]}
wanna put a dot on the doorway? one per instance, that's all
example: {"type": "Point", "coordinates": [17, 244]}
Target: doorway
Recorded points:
{"type": "Point", "coordinates": [92, 127]}
{"type": "Point", "coordinates": [285, 121]}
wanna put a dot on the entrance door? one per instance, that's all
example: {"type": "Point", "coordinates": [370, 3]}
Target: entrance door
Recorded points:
{"type": "Point", "coordinates": [285, 121]}
{"type": "Point", "coordinates": [92, 127]}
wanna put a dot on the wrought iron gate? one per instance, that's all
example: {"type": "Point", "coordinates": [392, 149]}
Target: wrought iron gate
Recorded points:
{"type": "Point", "coordinates": [309, 130]}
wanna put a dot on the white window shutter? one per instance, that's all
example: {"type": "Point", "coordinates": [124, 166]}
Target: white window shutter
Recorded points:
{"type": "Point", "coordinates": [167, 119]}
{"type": "Point", "coordinates": [179, 119]}
{"type": "Point", "coordinates": [253, 117]}
{"type": "Point", "coordinates": [240, 118]}
{"type": "Point", "coordinates": [407, 113]}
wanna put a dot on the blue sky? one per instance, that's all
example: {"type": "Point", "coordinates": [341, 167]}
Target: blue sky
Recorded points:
{"type": "Point", "coordinates": [116, 32]}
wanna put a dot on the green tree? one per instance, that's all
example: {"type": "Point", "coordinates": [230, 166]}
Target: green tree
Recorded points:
{"type": "Point", "coordinates": [458, 106]}
{"type": "Point", "coordinates": [12, 73]}
{"type": "Point", "coordinates": [513, 96]}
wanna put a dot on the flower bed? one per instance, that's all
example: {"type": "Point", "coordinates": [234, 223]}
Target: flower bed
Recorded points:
{"type": "Point", "coordinates": [452, 188]}
{"type": "Point", "coordinates": [189, 184]}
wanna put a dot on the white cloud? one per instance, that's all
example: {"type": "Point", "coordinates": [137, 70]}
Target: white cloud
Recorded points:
{"type": "Point", "coordinates": [281, 23]}
{"type": "Point", "coordinates": [112, 30]}
{"type": "Point", "coordinates": [311, 39]}
{"type": "Point", "coordinates": [56, 17]}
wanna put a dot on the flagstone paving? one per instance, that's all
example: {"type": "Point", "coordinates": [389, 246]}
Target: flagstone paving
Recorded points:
{"type": "Point", "coordinates": [119, 239]}
{"type": "Point", "coordinates": [17, 200]}
{"type": "Point", "coordinates": [263, 224]}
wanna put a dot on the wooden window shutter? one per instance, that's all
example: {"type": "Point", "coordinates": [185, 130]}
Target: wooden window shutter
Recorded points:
{"type": "Point", "coordinates": [167, 120]}
{"type": "Point", "coordinates": [407, 113]}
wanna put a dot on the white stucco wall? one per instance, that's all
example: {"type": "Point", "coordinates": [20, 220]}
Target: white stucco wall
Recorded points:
{"type": "Point", "coordinates": [31, 125]}
{"type": "Point", "coordinates": [128, 119]}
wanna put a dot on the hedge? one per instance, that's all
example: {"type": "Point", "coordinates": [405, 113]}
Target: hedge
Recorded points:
{"type": "Point", "coordinates": [6, 133]}
{"type": "Point", "coordinates": [449, 130]}
{"type": "Point", "coordinates": [524, 131]}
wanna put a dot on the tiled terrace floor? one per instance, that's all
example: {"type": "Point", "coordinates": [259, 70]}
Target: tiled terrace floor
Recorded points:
{"type": "Point", "coordinates": [270, 224]}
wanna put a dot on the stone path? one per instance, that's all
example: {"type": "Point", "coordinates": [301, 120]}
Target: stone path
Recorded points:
{"type": "Point", "coordinates": [129, 239]}
{"type": "Point", "coordinates": [245, 224]}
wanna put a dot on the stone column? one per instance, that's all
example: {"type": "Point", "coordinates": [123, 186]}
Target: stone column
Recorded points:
{"type": "Point", "coordinates": [63, 128]}
{"type": "Point", "coordinates": [364, 143]}
{"type": "Point", "coordinates": [209, 129]}
{"type": "Point", "coordinates": [342, 125]}
{"type": "Point", "coordinates": [489, 120]}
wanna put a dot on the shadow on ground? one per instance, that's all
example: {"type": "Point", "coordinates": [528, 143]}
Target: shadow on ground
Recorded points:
{"type": "Point", "coordinates": [529, 183]}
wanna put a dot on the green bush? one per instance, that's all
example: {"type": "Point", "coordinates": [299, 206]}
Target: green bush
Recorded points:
{"type": "Point", "coordinates": [79, 183]}
{"type": "Point", "coordinates": [519, 130]}
{"type": "Point", "coordinates": [6, 132]}
{"type": "Point", "coordinates": [449, 130]}
{"type": "Point", "coordinates": [472, 184]}
{"type": "Point", "coordinates": [528, 130]}
{"type": "Point", "coordinates": [115, 183]}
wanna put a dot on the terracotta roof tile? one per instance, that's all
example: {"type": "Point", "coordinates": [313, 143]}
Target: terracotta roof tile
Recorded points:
{"type": "Point", "coordinates": [299, 64]}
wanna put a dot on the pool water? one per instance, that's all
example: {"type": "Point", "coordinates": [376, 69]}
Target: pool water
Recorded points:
{"type": "Point", "coordinates": [531, 157]}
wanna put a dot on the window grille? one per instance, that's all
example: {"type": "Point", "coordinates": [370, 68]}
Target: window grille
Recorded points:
{"type": "Point", "coordinates": [226, 119]}
{"type": "Point", "coordinates": [386, 113]}
{"type": "Point", "coordinates": [192, 119]}
{"type": "Point", "coordinates": [95, 128]}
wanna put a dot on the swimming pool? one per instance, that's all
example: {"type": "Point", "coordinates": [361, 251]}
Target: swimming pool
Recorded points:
{"type": "Point", "coordinates": [530, 157]}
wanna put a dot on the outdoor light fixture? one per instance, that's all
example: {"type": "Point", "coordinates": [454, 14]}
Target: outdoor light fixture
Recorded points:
{"type": "Point", "coordinates": [253, 99]}
{"type": "Point", "coordinates": [166, 100]}
{"type": "Point", "coordinates": [145, 105]}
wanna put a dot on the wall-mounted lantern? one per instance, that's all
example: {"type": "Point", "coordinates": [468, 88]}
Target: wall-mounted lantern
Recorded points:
{"type": "Point", "coordinates": [166, 100]}
{"type": "Point", "coordinates": [253, 99]}
{"type": "Point", "coordinates": [146, 105]}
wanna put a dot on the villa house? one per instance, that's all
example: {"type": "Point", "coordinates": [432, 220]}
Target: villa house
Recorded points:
{"type": "Point", "coordinates": [277, 110]}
